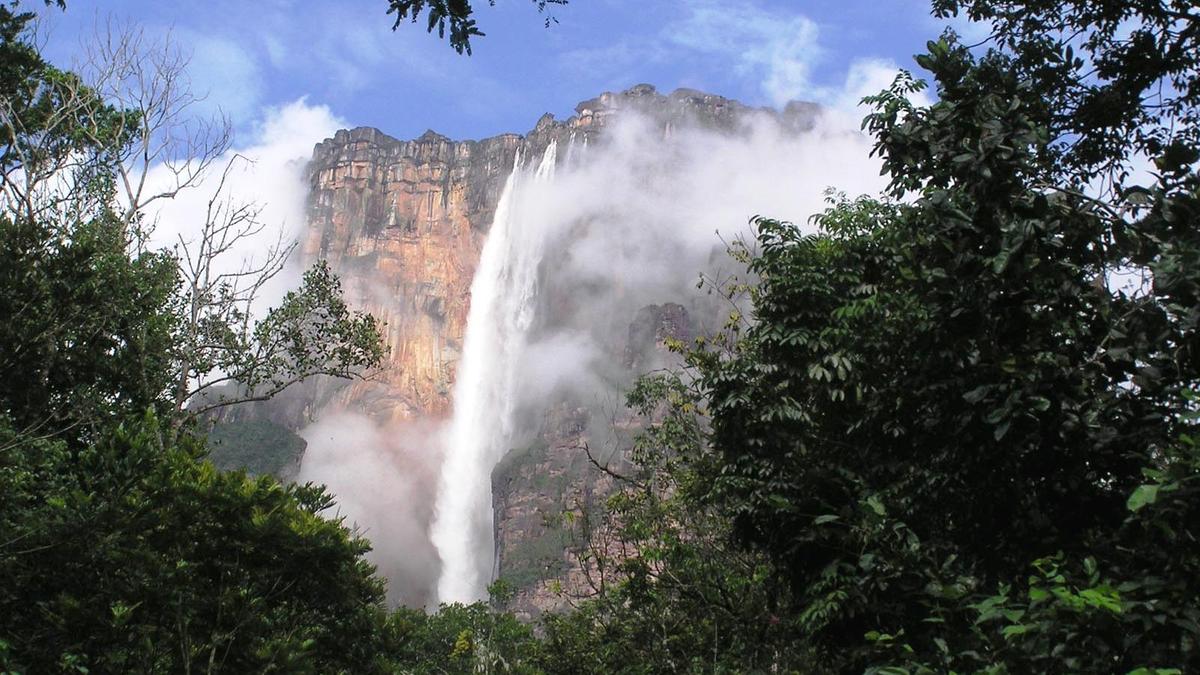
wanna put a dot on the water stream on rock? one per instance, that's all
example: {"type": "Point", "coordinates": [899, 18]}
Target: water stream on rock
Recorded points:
{"type": "Point", "coordinates": [503, 297]}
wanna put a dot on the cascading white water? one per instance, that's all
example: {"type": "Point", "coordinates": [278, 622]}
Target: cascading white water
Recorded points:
{"type": "Point", "coordinates": [503, 296]}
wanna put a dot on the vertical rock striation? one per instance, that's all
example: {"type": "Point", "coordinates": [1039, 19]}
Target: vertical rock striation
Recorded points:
{"type": "Point", "coordinates": [403, 222]}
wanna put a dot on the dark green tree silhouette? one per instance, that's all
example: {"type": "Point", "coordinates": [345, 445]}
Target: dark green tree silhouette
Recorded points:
{"type": "Point", "coordinates": [453, 17]}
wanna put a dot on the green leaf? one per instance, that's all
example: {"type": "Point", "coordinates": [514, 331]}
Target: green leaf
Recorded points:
{"type": "Point", "coordinates": [977, 394]}
{"type": "Point", "coordinates": [1143, 495]}
{"type": "Point", "coordinates": [1001, 429]}
{"type": "Point", "coordinates": [1103, 597]}
{"type": "Point", "coordinates": [1015, 630]}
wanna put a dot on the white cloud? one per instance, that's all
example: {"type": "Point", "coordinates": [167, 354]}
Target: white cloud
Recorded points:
{"type": "Point", "coordinates": [864, 78]}
{"type": "Point", "coordinates": [779, 48]}
{"type": "Point", "coordinates": [270, 176]}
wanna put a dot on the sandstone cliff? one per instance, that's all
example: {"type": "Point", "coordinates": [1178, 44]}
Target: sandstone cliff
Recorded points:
{"type": "Point", "coordinates": [403, 224]}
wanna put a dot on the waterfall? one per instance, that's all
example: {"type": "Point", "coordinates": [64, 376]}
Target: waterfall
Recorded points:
{"type": "Point", "coordinates": [503, 297]}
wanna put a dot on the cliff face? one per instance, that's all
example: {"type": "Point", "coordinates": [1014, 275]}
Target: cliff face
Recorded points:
{"type": "Point", "coordinates": [549, 494]}
{"type": "Point", "coordinates": [403, 224]}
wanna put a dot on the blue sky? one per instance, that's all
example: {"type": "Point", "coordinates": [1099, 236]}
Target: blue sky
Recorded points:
{"type": "Point", "coordinates": [254, 56]}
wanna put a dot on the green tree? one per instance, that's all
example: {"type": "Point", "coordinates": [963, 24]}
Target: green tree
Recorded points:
{"type": "Point", "coordinates": [121, 548]}
{"type": "Point", "coordinates": [1117, 76]}
{"type": "Point", "coordinates": [86, 323]}
{"type": "Point", "coordinates": [87, 328]}
{"type": "Point", "coordinates": [131, 556]}
{"type": "Point", "coordinates": [461, 639]}
{"type": "Point", "coordinates": [941, 422]}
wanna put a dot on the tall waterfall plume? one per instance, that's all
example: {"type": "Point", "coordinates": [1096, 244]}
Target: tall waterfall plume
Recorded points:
{"type": "Point", "coordinates": [503, 297]}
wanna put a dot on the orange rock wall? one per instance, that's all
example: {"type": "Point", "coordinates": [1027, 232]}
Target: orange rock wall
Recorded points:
{"type": "Point", "coordinates": [403, 222]}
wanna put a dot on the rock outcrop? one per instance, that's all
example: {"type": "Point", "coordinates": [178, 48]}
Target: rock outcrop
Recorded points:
{"type": "Point", "coordinates": [549, 497]}
{"type": "Point", "coordinates": [650, 332]}
{"type": "Point", "coordinates": [403, 224]}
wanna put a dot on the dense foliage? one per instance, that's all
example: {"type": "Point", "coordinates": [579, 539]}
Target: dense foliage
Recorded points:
{"type": "Point", "coordinates": [86, 334]}
{"type": "Point", "coordinates": [122, 549]}
{"type": "Point", "coordinates": [464, 639]}
{"type": "Point", "coordinates": [946, 425]}
{"type": "Point", "coordinates": [127, 556]}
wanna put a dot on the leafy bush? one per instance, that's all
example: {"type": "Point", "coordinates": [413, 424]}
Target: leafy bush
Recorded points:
{"type": "Point", "coordinates": [130, 556]}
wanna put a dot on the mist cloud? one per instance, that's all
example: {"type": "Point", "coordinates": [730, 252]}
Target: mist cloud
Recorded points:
{"type": "Point", "coordinates": [383, 478]}
{"type": "Point", "coordinates": [631, 220]}
{"type": "Point", "coordinates": [268, 172]}
{"type": "Point", "coordinates": [642, 215]}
